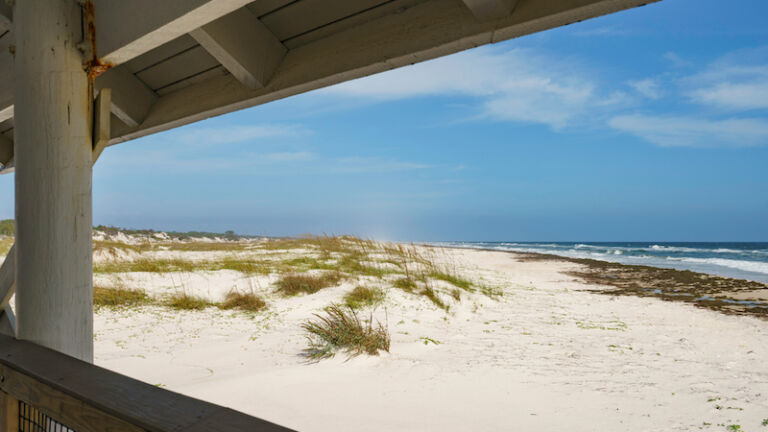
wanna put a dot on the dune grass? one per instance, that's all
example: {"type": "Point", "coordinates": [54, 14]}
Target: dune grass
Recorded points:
{"type": "Point", "coordinates": [114, 297]}
{"type": "Point", "coordinates": [363, 296]}
{"type": "Point", "coordinates": [185, 301]}
{"type": "Point", "coordinates": [243, 301]}
{"type": "Point", "coordinates": [341, 329]}
{"type": "Point", "coordinates": [451, 278]}
{"type": "Point", "coordinates": [292, 284]}
{"type": "Point", "coordinates": [149, 266]}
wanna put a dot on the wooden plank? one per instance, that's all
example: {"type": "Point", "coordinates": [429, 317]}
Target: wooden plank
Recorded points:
{"type": "Point", "coordinates": [6, 75]}
{"type": "Point", "coordinates": [486, 10]}
{"type": "Point", "coordinates": [429, 29]}
{"type": "Point", "coordinates": [6, 150]}
{"type": "Point", "coordinates": [263, 7]}
{"type": "Point", "coordinates": [6, 16]}
{"type": "Point", "coordinates": [161, 53]}
{"type": "Point", "coordinates": [102, 118]}
{"type": "Point", "coordinates": [355, 20]}
{"type": "Point", "coordinates": [77, 392]}
{"type": "Point", "coordinates": [306, 15]}
{"type": "Point", "coordinates": [127, 29]}
{"type": "Point", "coordinates": [186, 64]}
{"type": "Point", "coordinates": [9, 413]}
{"type": "Point", "coordinates": [131, 98]}
{"type": "Point", "coordinates": [58, 405]}
{"type": "Point", "coordinates": [244, 46]}
{"type": "Point", "coordinates": [8, 322]}
{"type": "Point", "coordinates": [194, 79]}
{"type": "Point", "coordinates": [8, 277]}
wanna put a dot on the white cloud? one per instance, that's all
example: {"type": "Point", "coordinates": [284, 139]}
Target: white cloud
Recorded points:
{"type": "Point", "coordinates": [284, 156]}
{"type": "Point", "coordinates": [694, 132]}
{"type": "Point", "coordinates": [602, 31]}
{"type": "Point", "coordinates": [676, 60]}
{"type": "Point", "coordinates": [647, 87]}
{"type": "Point", "coordinates": [512, 85]}
{"type": "Point", "coordinates": [233, 134]}
{"type": "Point", "coordinates": [372, 165]}
{"type": "Point", "coordinates": [737, 81]}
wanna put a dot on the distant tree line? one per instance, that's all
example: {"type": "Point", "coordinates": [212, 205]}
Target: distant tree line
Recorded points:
{"type": "Point", "coordinates": [7, 227]}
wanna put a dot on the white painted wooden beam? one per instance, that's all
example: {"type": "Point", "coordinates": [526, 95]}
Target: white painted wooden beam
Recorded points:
{"type": "Point", "coordinates": [486, 10]}
{"type": "Point", "coordinates": [6, 151]}
{"type": "Point", "coordinates": [126, 29]}
{"type": "Point", "coordinates": [102, 120]}
{"type": "Point", "coordinates": [244, 46]}
{"type": "Point", "coordinates": [6, 16]}
{"type": "Point", "coordinates": [8, 322]}
{"type": "Point", "coordinates": [6, 113]}
{"type": "Point", "coordinates": [423, 31]}
{"type": "Point", "coordinates": [131, 98]}
{"type": "Point", "coordinates": [8, 277]}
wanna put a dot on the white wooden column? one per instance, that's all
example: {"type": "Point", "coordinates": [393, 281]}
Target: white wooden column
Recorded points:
{"type": "Point", "coordinates": [53, 179]}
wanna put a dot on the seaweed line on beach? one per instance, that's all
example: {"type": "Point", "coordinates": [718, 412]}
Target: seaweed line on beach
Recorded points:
{"type": "Point", "coordinates": [722, 294]}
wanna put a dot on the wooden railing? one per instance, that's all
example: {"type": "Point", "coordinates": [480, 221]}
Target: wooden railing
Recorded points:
{"type": "Point", "coordinates": [81, 397]}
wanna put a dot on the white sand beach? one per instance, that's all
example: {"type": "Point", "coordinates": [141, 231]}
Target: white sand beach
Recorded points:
{"type": "Point", "coordinates": [546, 354]}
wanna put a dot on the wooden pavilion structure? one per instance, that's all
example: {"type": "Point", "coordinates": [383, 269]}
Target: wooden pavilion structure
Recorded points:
{"type": "Point", "coordinates": [77, 76]}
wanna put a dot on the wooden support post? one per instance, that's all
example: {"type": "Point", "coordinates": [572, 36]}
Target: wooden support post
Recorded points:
{"type": "Point", "coordinates": [53, 136]}
{"type": "Point", "coordinates": [9, 413]}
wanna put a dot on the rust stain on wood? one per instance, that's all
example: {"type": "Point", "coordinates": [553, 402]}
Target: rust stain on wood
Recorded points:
{"type": "Point", "coordinates": [94, 66]}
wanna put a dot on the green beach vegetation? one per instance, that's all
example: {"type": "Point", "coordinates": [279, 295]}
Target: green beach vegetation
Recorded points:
{"type": "Point", "coordinates": [340, 329]}
{"type": "Point", "coordinates": [300, 266]}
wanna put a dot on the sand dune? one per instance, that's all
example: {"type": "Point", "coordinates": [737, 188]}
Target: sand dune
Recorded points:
{"type": "Point", "coordinates": [547, 354]}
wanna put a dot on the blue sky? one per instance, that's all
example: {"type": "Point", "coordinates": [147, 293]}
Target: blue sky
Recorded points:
{"type": "Point", "coordinates": [648, 125]}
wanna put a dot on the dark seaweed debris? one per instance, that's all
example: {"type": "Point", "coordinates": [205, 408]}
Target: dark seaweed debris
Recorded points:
{"type": "Point", "coordinates": [726, 295]}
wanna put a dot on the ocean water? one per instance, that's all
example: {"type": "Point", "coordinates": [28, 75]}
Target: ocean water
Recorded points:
{"type": "Point", "coordinates": [737, 260]}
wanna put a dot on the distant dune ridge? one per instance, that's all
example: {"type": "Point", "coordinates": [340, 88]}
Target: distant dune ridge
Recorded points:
{"type": "Point", "coordinates": [319, 331]}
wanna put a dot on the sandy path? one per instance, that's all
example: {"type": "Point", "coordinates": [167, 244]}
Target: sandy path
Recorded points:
{"type": "Point", "coordinates": [545, 356]}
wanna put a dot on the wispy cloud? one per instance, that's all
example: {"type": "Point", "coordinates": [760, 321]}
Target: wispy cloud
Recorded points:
{"type": "Point", "coordinates": [517, 85]}
{"type": "Point", "coordinates": [676, 60]}
{"type": "Point", "coordinates": [647, 87]}
{"type": "Point", "coordinates": [233, 134]}
{"type": "Point", "coordinates": [371, 165]}
{"type": "Point", "coordinates": [737, 81]}
{"type": "Point", "coordinates": [680, 131]}
{"type": "Point", "coordinates": [602, 31]}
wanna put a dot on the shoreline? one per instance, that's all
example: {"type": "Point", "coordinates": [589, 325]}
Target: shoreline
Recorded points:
{"type": "Point", "coordinates": [720, 293]}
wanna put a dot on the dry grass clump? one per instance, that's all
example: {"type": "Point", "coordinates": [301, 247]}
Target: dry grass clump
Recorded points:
{"type": "Point", "coordinates": [244, 301]}
{"type": "Point", "coordinates": [205, 246]}
{"type": "Point", "coordinates": [341, 329]}
{"type": "Point", "coordinates": [110, 245]}
{"type": "Point", "coordinates": [113, 297]}
{"type": "Point", "coordinates": [405, 284]}
{"type": "Point", "coordinates": [451, 278]}
{"type": "Point", "coordinates": [363, 296]}
{"type": "Point", "coordinates": [421, 287]}
{"type": "Point", "coordinates": [149, 266]}
{"type": "Point", "coordinates": [186, 301]}
{"type": "Point", "coordinates": [292, 284]}
{"type": "Point", "coordinates": [243, 266]}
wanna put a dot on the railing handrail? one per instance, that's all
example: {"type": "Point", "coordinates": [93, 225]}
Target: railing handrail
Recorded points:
{"type": "Point", "coordinates": [89, 398]}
